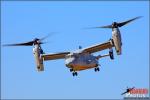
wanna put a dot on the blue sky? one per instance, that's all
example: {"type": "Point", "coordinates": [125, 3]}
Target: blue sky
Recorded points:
{"type": "Point", "coordinates": [23, 21]}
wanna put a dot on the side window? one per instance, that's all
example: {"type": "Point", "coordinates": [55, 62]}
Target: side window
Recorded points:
{"type": "Point", "coordinates": [88, 61]}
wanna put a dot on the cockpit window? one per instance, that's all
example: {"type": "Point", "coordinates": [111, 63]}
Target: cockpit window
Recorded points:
{"type": "Point", "coordinates": [67, 56]}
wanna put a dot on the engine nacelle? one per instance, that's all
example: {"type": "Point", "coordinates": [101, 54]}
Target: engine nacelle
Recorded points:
{"type": "Point", "coordinates": [40, 67]}
{"type": "Point", "coordinates": [38, 58]}
{"type": "Point", "coordinates": [116, 36]}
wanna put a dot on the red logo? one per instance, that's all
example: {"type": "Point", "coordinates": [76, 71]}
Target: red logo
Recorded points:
{"type": "Point", "coordinates": [139, 93]}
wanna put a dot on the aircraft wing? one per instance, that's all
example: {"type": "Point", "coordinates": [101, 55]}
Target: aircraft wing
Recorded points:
{"type": "Point", "coordinates": [99, 47]}
{"type": "Point", "coordinates": [54, 56]}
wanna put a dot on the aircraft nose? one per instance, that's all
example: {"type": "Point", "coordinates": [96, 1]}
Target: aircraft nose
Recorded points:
{"type": "Point", "coordinates": [69, 64]}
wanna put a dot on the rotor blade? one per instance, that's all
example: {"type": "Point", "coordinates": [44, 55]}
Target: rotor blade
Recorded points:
{"type": "Point", "coordinates": [128, 21]}
{"type": "Point", "coordinates": [50, 34]}
{"type": "Point", "coordinates": [108, 26]}
{"type": "Point", "coordinates": [20, 44]}
{"type": "Point", "coordinates": [90, 28]}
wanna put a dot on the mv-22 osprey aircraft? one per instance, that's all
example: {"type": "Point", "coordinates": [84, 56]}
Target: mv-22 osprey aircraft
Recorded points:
{"type": "Point", "coordinates": [82, 58]}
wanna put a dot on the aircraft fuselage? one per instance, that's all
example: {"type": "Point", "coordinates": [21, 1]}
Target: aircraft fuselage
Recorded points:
{"type": "Point", "coordinates": [79, 62]}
